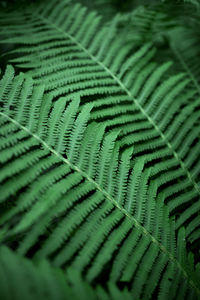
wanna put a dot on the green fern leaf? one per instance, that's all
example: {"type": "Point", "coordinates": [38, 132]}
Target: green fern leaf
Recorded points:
{"type": "Point", "coordinates": [84, 221]}
{"type": "Point", "coordinates": [69, 54]}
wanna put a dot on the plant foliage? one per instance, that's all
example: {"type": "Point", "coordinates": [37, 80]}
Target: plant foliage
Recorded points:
{"type": "Point", "coordinates": [99, 152]}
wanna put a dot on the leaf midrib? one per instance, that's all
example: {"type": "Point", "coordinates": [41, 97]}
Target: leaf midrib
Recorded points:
{"type": "Point", "coordinates": [124, 88]}
{"type": "Point", "coordinates": [110, 198]}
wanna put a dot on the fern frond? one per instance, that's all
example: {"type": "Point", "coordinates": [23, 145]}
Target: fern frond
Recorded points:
{"type": "Point", "coordinates": [85, 219]}
{"type": "Point", "coordinates": [68, 53]}
{"type": "Point", "coordinates": [171, 26]}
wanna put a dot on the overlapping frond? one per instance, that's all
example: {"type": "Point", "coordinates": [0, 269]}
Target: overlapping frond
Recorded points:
{"type": "Point", "coordinates": [64, 47]}
{"type": "Point", "coordinates": [80, 200]}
